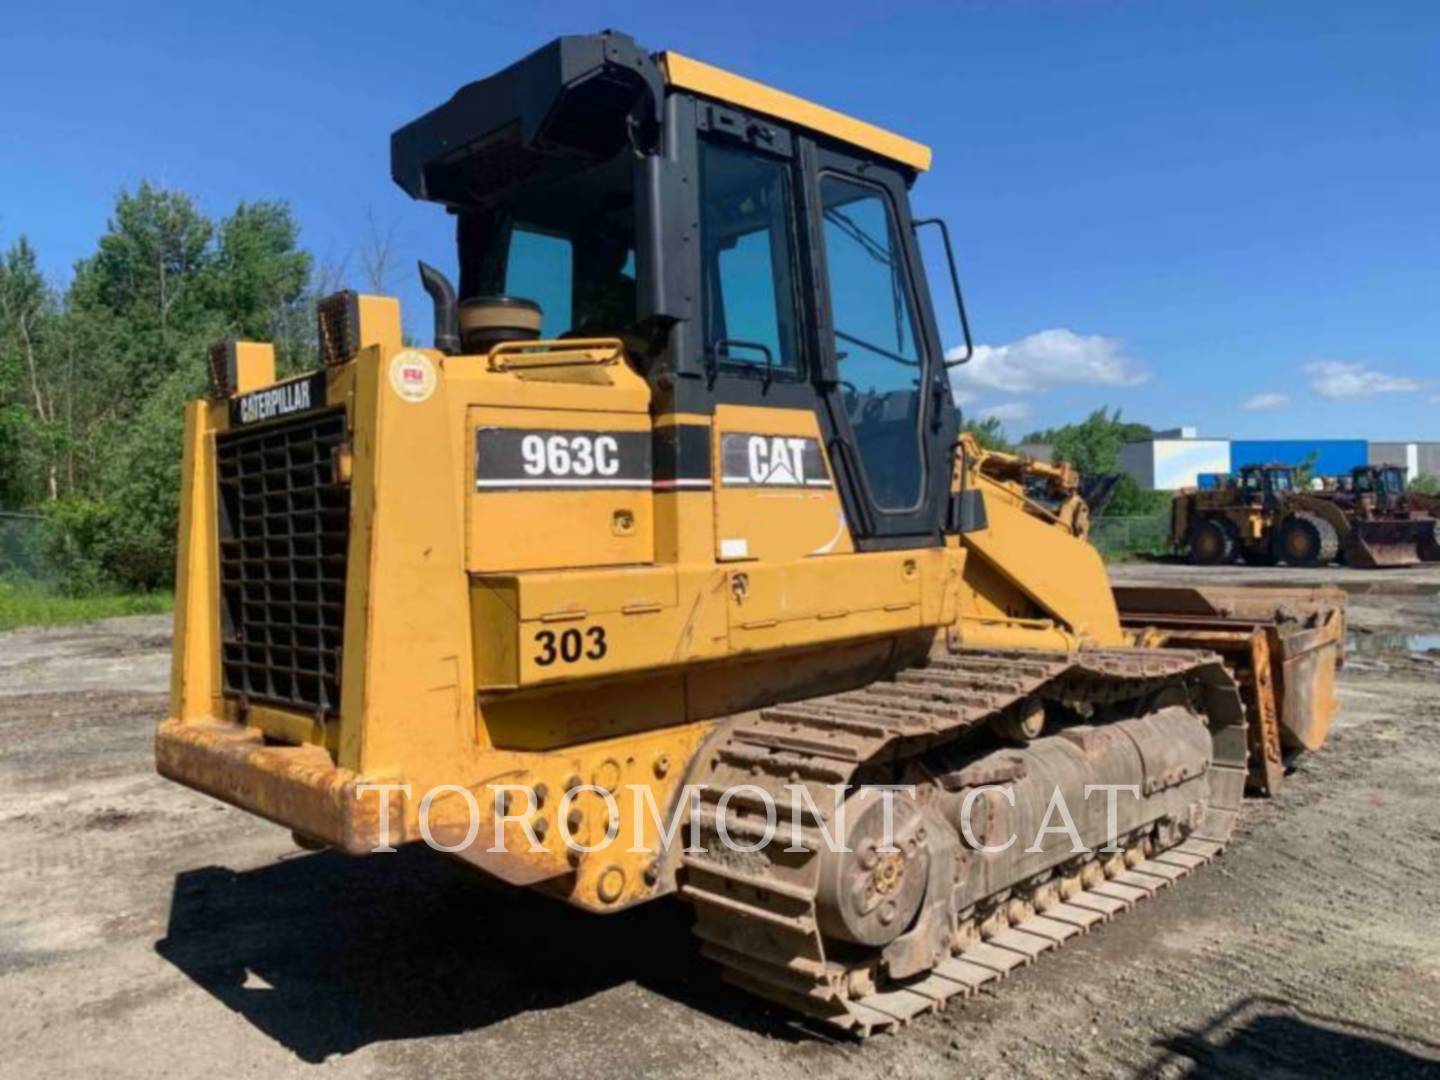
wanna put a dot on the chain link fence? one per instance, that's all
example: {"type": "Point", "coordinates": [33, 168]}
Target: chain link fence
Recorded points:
{"type": "Point", "coordinates": [1132, 534]}
{"type": "Point", "coordinates": [24, 554]}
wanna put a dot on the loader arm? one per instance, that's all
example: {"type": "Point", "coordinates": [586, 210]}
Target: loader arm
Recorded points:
{"type": "Point", "coordinates": [1030, 564]}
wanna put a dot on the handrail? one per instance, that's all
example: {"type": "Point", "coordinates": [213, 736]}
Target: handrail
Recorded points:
{"type": "Point", "coordinates": [955, 285]}
{"type": "Point", "coordinates": [559, 352]}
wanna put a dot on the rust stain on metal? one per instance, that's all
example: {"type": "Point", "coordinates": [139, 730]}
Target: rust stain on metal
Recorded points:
{"type": "Point", "coordinates": [1283, 646]}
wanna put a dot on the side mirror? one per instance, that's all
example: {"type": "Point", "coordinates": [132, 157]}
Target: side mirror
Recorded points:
{"type": "Point", "coordinates": [955, 285]}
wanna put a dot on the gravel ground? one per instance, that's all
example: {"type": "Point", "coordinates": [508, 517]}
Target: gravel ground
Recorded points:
{"type": "Point", "coordinates": [148, 931]}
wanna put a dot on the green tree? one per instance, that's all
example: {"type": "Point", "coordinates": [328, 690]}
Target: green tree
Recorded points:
{"type": "Point", "coordinates": [1093, 445]}
{"type": "Point", "coordinates": [259, 280]}
{"type": "Point", "coordinates": [13, 424]}
{"type": "Point", "coordinates": [1305, 470]}
{"type": "Point", "coordinates": [147, 294]}
{"type": "Point", "coordinates": [29, 421]}
{"type": "Point", "coordinates": [1130, 499]}
{"type": "Point", "coordinates": [123, 350]}
{"type": "Point", "coordinates": [989, 433]}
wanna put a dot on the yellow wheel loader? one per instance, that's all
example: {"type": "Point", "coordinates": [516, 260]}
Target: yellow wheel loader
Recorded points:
{"type": "Point", "coordinates": [1388, 524]}
{"type": "Point", "coordinates": [1254, 517]}
{"type": "Point", "coordinates": [1262, 517]}
{"type": "Point", "coordinates": [663, 572]}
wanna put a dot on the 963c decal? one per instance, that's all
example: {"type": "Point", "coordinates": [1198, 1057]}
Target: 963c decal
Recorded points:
{"type": "Point", "coordinates": [529, 459]}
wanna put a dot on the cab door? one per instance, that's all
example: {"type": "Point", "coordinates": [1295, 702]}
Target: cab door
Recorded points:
{"type": "Point", "coordinates": [882, 376]}
{"type": "Point", "coordinates": [775, 499]}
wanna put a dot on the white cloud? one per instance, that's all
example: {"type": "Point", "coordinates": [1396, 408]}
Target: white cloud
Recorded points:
{"type": "Point", "coordinates": [1044, 360]}
{"type": "Point", "coordinates": [1268, 400]}
{"type": "Point", "coordinates": [1341, 381]}
{"type": "Point", "coordinates": [1009, 410]}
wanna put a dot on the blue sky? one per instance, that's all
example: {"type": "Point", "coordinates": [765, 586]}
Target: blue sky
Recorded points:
{"type": "Point", "coordinates": [1177, 208]}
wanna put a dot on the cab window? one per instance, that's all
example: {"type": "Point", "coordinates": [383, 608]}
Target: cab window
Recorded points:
{"type": "Point", "coordinates": [568, 246]}
{"type": "Point", "coordinates": [541, 267]}
{"type": "Point", "coordinates": [877, 353]}
{"type": "Point", "coordinates": [748, 263]}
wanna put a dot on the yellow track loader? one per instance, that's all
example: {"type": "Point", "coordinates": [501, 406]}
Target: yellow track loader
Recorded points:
{"type": "Point", "coordinates": [663, 571]}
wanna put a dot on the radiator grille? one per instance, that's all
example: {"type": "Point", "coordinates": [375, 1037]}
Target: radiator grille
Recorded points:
{"type": "Point", "coordinates": [284, 527]}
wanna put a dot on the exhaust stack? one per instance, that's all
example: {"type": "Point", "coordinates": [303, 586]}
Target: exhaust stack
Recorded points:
{"type": "Point", "coordinates": [447, 318]}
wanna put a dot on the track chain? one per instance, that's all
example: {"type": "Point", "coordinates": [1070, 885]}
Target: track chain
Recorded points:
{"type": "Point", "coordinates": [756, 912]}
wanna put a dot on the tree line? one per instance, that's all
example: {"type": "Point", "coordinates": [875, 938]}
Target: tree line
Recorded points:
{"type": "Point", "coordinates": [94, 375]}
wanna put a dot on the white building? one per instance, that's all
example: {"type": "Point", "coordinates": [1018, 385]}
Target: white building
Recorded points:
{"type": "Point", "coordinates": [1420, 458]}
{"type": "Point", "coordinates": [1174, 459]}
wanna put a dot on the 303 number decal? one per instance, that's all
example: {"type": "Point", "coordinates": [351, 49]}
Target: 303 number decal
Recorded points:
{"type": "Point", "coordinates": [571, 646]}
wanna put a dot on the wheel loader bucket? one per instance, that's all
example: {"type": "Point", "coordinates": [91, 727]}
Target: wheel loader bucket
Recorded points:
{"type": "Point", "coordinates": [1285, 646]}
{"type": "Point", "coordinates": [1375, 544]}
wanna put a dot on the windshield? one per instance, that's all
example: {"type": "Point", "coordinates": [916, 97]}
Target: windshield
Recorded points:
{"type": "Point", "coordinates": [1282, 480]}
{"type": "Point", "coordinates": [569, 246]}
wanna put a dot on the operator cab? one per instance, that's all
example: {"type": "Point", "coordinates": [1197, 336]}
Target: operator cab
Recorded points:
{"type": "Point", "coordinates": [1383, 480]}
{"type": "Point", "coordinates": [747, 247]}
{"type": "Point", "coordinates": [1266, 483]}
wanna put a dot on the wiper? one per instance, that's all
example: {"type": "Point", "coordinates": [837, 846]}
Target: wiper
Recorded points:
{"type": "Point", "coordinates": [881, 253]}
{"type": "Point", "coordinates": [876, 349]}
{"type": "Point", "coordinates": [877, 251]}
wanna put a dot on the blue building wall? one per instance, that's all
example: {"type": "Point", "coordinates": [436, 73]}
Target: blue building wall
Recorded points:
{"type": "Point", "coordinates": [1336, 456]}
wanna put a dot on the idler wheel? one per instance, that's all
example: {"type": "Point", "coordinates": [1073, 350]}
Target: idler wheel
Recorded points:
{"type": "Point", "coordinates": [870, 893]}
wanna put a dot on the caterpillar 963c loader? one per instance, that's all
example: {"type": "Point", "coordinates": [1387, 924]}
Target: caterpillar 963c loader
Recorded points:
{"type": "Point", "coordinates": [673, 518]}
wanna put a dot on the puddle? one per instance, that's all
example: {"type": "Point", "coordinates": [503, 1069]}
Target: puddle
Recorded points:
{"type": "Point", "coordinates": [1374, 644]}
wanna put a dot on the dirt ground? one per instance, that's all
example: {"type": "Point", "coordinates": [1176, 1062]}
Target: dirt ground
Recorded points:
{"type": "Point", "coordinates": [149, 931]}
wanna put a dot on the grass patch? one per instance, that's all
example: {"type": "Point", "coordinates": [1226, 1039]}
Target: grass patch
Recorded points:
{"type": "Point", "coordinates": [38, 605]}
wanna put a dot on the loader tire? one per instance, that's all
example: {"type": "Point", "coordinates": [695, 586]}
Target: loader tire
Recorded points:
{"type": "Point", "coordinates": [1211, 543]}
{"type": "Point", "coordinates": [1307, 540]}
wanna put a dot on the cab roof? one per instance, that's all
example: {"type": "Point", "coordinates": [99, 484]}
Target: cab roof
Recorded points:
{"type": "Point", "coordinates": [683, 73]}
{"type": "Point", "coordinates": [570, 103]}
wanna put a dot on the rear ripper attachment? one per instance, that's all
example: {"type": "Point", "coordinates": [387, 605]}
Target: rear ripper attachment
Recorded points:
{"type": "Point", "coordinates": [863, 938]}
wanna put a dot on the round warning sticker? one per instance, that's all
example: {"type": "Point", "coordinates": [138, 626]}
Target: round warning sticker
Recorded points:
{"type": "Point", "coordinates": [412, 374]}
